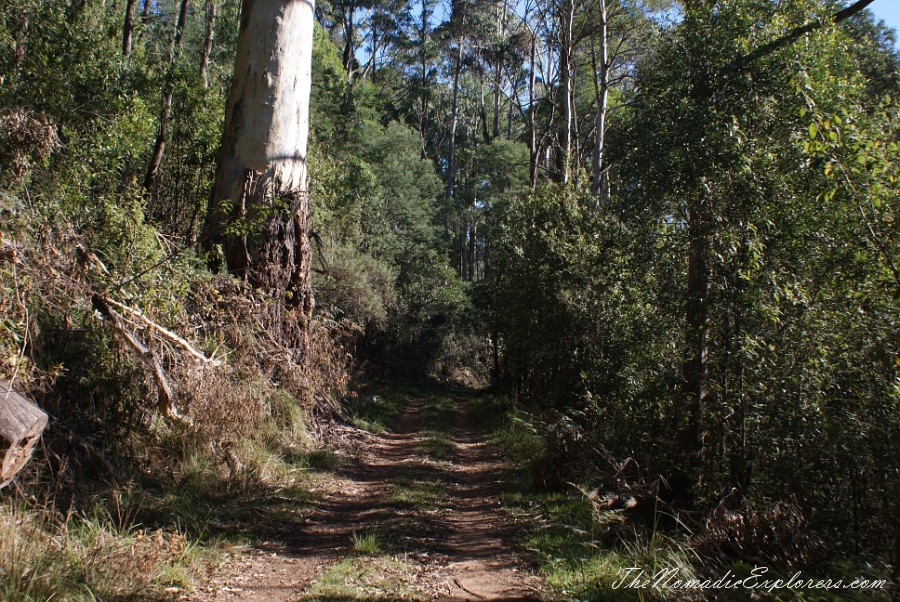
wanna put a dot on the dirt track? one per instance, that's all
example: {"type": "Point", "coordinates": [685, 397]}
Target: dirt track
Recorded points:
{"type": "Point", "coordinates": [440, 520]}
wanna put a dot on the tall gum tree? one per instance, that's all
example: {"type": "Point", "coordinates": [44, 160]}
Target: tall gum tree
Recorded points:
{"type": "Point", "coordinates": [259, 207]}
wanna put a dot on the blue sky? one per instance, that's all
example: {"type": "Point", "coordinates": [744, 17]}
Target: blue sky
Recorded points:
{"type": "Point", "coordinates": [888, 11]}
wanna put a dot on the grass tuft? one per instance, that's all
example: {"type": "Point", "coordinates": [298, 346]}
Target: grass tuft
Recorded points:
{"type": "Point", "coordinates": [366, 543]}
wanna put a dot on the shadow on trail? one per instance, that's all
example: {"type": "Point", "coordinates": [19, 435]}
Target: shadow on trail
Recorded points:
{"type": "Point", "coordinates": [443, 514]}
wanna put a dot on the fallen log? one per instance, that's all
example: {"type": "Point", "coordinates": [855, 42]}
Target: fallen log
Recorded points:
{"type": "Point", "coordinates": [21, 425]}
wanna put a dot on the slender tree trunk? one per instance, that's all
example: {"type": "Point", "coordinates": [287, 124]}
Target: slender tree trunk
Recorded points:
{"type": "Point", "coordinates": [689, 435]}
{"type": "Point", "coordinates": [128, 28]}
{"type": "Point", "coordinates": [486, 136]}
{"type": "Point", "coordinates": [175, 46]}
{"type": "Point", "coordinates": [509, 113]}
{"type": "Point", "coordinates": [423, 55]}
{"type": "Point", "coordinates": [261, 175]}
{"type": "Point", "coordinates": [349, 32]}
{"type": "Point", "coordinates": [159, 146]}
{"type": "Point", "coordinates": [208, 42]}
{"type": "Point", "coordinates": [496, 100]}
{"type": "Point", "coordinates": [165, 113]}
{"type": "Point", "coordinates": [498, 68]}
{"type": "Point", "coordinates": [532, 119]}
{"type": "Point", "coordinates": [473, 260]}
{"type": "Point", "coordinates": [565, 73]}
{"type": "Point", "coordinates": [454, 121]}
{"type": "Point", "coordinates": [598, 173]}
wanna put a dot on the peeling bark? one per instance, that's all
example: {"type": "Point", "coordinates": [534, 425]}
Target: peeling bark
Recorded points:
{"type": "Point", "coordinates": [260, 203]}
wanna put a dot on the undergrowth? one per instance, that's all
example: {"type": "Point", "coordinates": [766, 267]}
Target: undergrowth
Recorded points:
{"type": "Point", "coordinates": [589, 552]}
{"type": "Point", "coordinates": [154, 462]}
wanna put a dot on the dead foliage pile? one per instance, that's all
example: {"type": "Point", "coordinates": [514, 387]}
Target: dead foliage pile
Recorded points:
{"type": "Point", "coordinates": [25, 137]}
{"type": "Point", "coordinates": [772, 533]}
{"type": "Point", "coordinates": [118, 358]}
{"type": "Point", "coordinates": [766, 533]}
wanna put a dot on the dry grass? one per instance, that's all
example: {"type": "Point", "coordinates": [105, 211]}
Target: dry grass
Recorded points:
{"type": "Point", "coordinates": [90, 558]}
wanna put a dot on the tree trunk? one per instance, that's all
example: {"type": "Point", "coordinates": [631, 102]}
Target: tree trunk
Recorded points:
{"type": "Point", "coordinates": [21, 425]}
{"type": "Point", "coordinates": [496, 100]}
{"type": "Point", "coordinates": [601, 76]}
{"type": "Point", "coordinates": [260, 202]}
{"type": "Point", "coordinates": [207, 42]}
{"type": "Point", "coordinates": [349, 31]}
{"type": "Point", "coordinates": [159, 146]}
{"type": "Point", "coordinates": [424, 89]}
{"type": "Point", "coordinates": [473, 259]}
{"type": "Point", "coordinates": [454, 121]}
{"type": "Point", "coordinates": [566, 64]}
{"type": "Point", "coordinates": [485, 134]}
{"type": "Point", "coordinates": [128, 28]}
{"type": "Point", "coordinates": [175, 46]}
{"type": "Point", "coordinates": [689, 435]}
{"type": "Point", "coordinates": [165, 113]}
{"type": "Point", "coordinates": [532, 119]}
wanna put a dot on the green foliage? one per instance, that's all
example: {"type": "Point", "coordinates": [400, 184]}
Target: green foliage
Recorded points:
{"type": "Point", "coordinates": [373, 199]}
{"type": "Point", "coordinates": [782, 172]}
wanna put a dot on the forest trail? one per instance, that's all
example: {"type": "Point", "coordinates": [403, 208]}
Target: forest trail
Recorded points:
{"type": "Point", "coordinates": [413, 516]}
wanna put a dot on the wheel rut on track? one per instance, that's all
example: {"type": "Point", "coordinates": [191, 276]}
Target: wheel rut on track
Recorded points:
{"type": "Point", "coordinates": [439, 521]}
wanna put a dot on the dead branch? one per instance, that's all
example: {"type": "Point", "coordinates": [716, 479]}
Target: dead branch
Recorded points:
{"type": "Point", "coordinates": [164, 331]}
{"type": "Point", "coordinates": [166, 403]}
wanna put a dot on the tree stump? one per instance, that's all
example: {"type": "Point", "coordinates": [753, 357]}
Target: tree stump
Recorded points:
{"type": "Point", "coordinates": [21, 425]}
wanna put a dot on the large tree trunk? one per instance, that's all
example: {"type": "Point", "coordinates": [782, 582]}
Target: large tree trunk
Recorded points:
{"type": "Point", "coordinates": [260, 202]}
{"type": "Point", "coordinates": [21, 425]}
